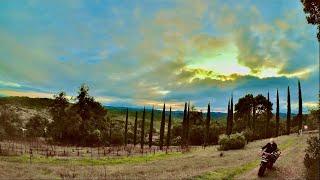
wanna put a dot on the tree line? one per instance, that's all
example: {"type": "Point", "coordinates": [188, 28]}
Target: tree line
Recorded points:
{"type": "Point", "coordinates": [87, 122]}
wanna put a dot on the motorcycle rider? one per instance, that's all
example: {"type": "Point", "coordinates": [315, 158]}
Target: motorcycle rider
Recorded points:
{"type": "Point", "coordinates": [270, 147]}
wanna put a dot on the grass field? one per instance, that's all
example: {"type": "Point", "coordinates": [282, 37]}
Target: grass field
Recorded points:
{"type": "Point", "coordinates": [199, 163]}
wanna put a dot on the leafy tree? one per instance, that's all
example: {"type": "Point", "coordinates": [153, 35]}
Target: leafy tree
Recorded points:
{"type": "Point", "coordinates": [288, 112]}
{"type": "Point", "coordinates": [252, 112]}
{"type": "Point", "coordinates": [312, 9]}
{"type": "Point", "coordinates": [312, 158]}
{"type": "Point", "coordinates": [135, 129]}
{"type": "Point", "coordinates": [142, 128]}
{"type": "Point", "coordinates": [10, 125]}
{"type": "Point", "coordinates": [169, 130]}
{"type": "Point", "coordinates": [207, 125]}
{"type": "Point", "coordinates": [57, 128]}
{"type": "Point", "coordinates": [277, 115]}
{"type": "Point", "coordinates": [162, 125]}
{"type": "Point", "coordinates": [126, 129]}
{"type": "Point", "coordinates": [151, 128]}
{"type": "Point", "coordinates": [37, 126]}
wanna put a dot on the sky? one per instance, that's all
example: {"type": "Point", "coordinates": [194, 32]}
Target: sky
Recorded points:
{"type": "Point", "coordinates": [144, 53]}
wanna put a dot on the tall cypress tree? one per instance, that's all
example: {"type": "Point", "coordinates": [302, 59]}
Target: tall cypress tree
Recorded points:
{"type": "Point", "coordinates": [183, 136]}
{"type": "Point", "coordinates": [169, 130]}
{"type": "Point", "coordinates": [288, 112]}
{"type": "Point", "coordinates": [151, 128]}
{"type": "Point", "coordinates": [188, 125]}
{"type": "Point", "coordinates": [206, 140]}
{"type": "Point", "coordinates": [228, 119]}
{"type": "Point", "coordinates": [300, 106]}
{"type": "Point", "coordinates": [126, 129]}
{"type": "Point", "coordinates": [277, 115]}
{"type": "Point", "coordinates": [231, 114]}
{"type": "Point", "coordinates": [142, 128]}
{"type": "Point", "coordinates": [135, 129]}
{"type": "Point", "coordinates": [268, 119]}
{"type": "Point", "coordinates": [162, 125]}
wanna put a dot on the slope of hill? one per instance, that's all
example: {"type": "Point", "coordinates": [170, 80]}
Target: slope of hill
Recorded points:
{"type": "Point", "coordinates": [198, 164]}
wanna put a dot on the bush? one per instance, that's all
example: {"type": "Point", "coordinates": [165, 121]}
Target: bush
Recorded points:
{"type": "Point", "coordinates": [248, 134]}
{"type": "Point", "coordinates": [312, 158]}
{"type": "Point", "coordinates": [234, 141]}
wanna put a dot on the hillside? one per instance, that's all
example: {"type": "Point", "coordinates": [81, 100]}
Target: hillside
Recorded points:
{"type": "Point", "coordinates": [45, 103]}
{"type": "Point", "coordinates": [199, 164]}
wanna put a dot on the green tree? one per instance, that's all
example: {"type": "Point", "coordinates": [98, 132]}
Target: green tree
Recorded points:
{"type": "Point", "coordinates": [228, 132]}
{"type": "Point", "coordinates": [254, 111]}
{"type": "Point", "coordinates": [142, 128]}
{"type": "Point", "coordinates": [277, 115]}
{"type": "Point", "coordinates": [288, 112]}
{"type": "Point", "coordinates": [231, 114]}
{"type": "Point", "coordinates": [135, 129]}
{"type": "Point", "coordinates": [162, 125]}
{"type": "Point", "coordinates": [300, 106]}
{"type": "Point", "coordinates": [126, 129]}
{"type": "Point", "coordinates": [37, 126]}
{"type": "Point", "coordinates": [169, 130]}
{"type": "Point", "coordinates": [207, 126]}
{"type": "Point", "coordinates": [188, 125]}
{"type": "Point", "coordinates": [269, 116]}
{"type": "Point", "coordinates": [312, 9]}
{"type": "Point", "coordinates": [151, 128]}
{"type": "Point", "coordinates": [184, 125]}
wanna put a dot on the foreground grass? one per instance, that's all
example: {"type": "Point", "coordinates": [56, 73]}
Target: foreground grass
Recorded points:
{"type": "Point", "coordinates": [84, 161]}
{"type": "Point", "coordinates": [230, 173]}
{"type": "Point", "coordinates": [196, 164]}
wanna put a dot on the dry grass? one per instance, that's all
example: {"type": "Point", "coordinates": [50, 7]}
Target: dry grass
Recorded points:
{"type": "Point", "coordinates": [201, 163]}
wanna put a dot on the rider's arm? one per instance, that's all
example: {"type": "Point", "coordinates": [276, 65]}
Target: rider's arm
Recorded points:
{"type": "Point", "coordinates": [265, 146]}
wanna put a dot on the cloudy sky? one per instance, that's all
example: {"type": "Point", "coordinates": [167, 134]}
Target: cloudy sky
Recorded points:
{"type": "Point", "coordinates": [136, 53]}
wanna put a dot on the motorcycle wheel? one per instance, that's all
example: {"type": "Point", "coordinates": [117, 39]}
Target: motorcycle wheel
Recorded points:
{"type": "Point", "coordinates": [262, 169]}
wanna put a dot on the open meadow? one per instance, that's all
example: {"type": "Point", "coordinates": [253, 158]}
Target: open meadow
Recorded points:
{"type": "Point", "coordinates": [199, 163]}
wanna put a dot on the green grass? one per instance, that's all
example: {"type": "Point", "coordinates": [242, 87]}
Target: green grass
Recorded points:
{"type": "Point", "coordinates": [88, 161]}
{"type": "Point", "coordinates": [230, 173]}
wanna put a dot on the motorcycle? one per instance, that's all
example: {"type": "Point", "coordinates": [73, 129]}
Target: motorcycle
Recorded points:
{"type": "Point", "coordinates": [267, 161]}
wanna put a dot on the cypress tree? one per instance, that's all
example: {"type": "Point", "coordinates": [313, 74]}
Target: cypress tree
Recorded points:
{"type": "Point", "coordinates": [206, 140]}
{"type": "Point", "coordinates": [300, 106]}
{"type": "Point", "coordinates": [151, 128]}
{"type": "Point", "coordinates": [142, 128]}
{"type": "Point", "coordinates": [231, 114]}
{"type": "Point", "coordinates": [228, 119]}
{"type": "Point", "coordinates": [126, 129]}
{"type": "Point", "coordinates": [169, 130]}
{"type": "Point", "coordinates": [135, 129]}
{"type": "Point", "coordinates": [277, 115]}
{"type": "Point", "coordinates": [183, 136]}
{"type": "Point", "coordinates": [188, 125]}
{"type": "Point", "coordinates": [288, 112]}
{"type": "Point", "coordinates": [268, 118]}
{"type": "Point", "coordinates": [162, 125]}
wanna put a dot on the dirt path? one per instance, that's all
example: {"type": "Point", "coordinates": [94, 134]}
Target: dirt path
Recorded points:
{"type": "Point", "coordinates": [288, 166]}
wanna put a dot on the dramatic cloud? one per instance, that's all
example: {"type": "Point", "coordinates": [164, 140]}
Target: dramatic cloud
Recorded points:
{"type": "Point", "coordinates": [135, 53]}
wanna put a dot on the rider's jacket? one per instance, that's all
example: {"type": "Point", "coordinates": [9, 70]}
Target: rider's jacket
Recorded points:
{"type": "Point", "coordinates": [270, 147]}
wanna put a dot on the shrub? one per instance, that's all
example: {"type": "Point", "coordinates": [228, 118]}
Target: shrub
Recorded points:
{"type": "Point", "coordinates": [248, 134]}
{"type": "Point", "coordinates": [312, 158]}
{"type": "Point", "coordinates": [234, 141]}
